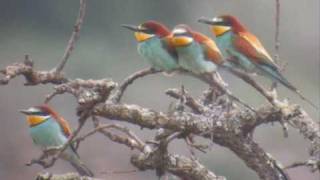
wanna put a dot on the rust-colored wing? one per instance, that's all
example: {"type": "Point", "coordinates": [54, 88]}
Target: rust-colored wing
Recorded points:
{"type": "Point", "coordinates": [212, 52]}
{"type": "Point", "coordinates": [64, 125]}
{"type": "Point", "coordinates": [62, 122]}
{"type": "Point", "coordinates": [211, 49]}
{"type": "Point", "coordinates": [167, 43]}
{"type": "Point", "coordinates": [249, 45]}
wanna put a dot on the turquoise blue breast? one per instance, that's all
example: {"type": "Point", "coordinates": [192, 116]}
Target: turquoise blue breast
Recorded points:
{"type": "Point", "coordinates": [225, 42]}
{"type": "Point", "coordinates": [47, 134]}
{"type": "Point", "coordinates": [153, 50]}
{"type": "Point", "coordinates": [192, 58]}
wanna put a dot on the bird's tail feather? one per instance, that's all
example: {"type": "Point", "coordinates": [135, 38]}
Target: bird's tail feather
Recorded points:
{"type": "Point", "coordinates": [82, 169]}
{"type": "Point", "coordinates": [280, 78]}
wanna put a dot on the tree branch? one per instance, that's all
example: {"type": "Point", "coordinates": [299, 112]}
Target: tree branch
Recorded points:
{"type": "Point", "coordinates": [180, 166]}
{"type": "Point", "coordinates": [68, 176]}
{"type": "Point", "coordinates": [129, 80]}
{"type": "Point", "coordinates": [190, 101]}
{"type": "Point", "coordinates": [32, 76]}
{"type": "Point", "coordinates": [74, 37]}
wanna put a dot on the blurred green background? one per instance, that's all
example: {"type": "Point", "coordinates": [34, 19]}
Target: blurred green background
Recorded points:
{"type": "Point", "coordinates": [42, 28]}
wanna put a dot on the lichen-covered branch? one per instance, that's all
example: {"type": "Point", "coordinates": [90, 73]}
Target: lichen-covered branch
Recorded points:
{"type": "Point", "coordinates": [181, 166]}
{"type": "Point", "coordinates": [226, 131]}
{"type": "Point", "coordinates": [85, 91]}
{"type": "Point", "coordinates": [67, 176]}
{"type": "Point", "coordinates": [33, 77]}
{"type": "Point", "coordinates": [190, 101]}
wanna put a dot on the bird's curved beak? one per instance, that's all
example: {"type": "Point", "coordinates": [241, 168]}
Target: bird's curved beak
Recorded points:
{"type": "Point", "coordinates": [211, 21]}
{"type": "Point", "coordinates": [25, 111]}
{"type": "Point", "coordinates": [134, 28]}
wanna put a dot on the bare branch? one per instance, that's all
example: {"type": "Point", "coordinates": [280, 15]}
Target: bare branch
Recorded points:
{"type": "Point", "coordinates": [74, 37]}
{"type": "Point", "coordinates": [276, 39]}
{"type": "Point", "coordinates": [180, 166]}
{"type": "Point", "coordinates": [87, 92]}
{"type": "Point", "coordinates": [190, 101]}
{"type": "Point", "coordinates": [131, 141]}
{"type": "Point", "coordinates": [32, 76]}
{"type": "Point", "coordinates": [217, 127]}
{"type": "Point", "coordinates": [129, 80]}
{"type": "Point", "coordinates": [313, 164]}
{"type": "Point", "coordinates": [277, 31]}
{"type": "Point", "coordinates": [68, 176]}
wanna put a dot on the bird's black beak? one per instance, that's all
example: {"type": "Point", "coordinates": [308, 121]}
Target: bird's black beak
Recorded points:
{"type": "Point", "coordinates": [134, 28]}
{"type": "Point", "coordinates": [214, 21]}
{"type": "Point", "coordinates": [25, 111]}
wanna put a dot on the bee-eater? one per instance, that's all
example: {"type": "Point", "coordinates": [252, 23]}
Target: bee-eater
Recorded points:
{"type": "Point", "coordinates": [197, 53]}
{"type": "Point", "coordinates": [48, 130]}
{"type": "Point", "coordinates": [154, 45]}
{"type": "Point", "coordinates": [245, 51]}
{"type": "Point", "coordinates": [200, 55]}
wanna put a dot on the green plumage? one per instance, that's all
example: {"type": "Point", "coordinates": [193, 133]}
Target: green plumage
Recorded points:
{"type": "Point", "coordinates": [192, 58]}
{"type": "Point", "coordinates": [156, 52]}
{"type": "Point", "coordinates": [49, 134]}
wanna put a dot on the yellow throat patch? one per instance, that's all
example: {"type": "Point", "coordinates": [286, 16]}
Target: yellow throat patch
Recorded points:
{"type": "Point", "coordinates": [219, 30]}
{"type": "Point", "coordinates": [140, 36]}
{"type": "Point", "coordinates": [35, 120]}
{"type": "Point", "coordinates": [181, 41]}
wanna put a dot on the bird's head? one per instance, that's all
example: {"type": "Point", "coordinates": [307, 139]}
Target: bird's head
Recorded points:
{"type": "Point", "coordinates": [148, 30]}
{"type": "Point", "coordinates": [182, 35]}
{"type": "Point", "coordinates": [222, 24]}
{"type": "Point", "coordinates": [37, 114]}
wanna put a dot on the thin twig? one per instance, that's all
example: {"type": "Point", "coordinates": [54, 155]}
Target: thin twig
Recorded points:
{"type": "Point", "coordinates": [129, 80]}
{"type": "Point", "coordinates": [120, 171]}
{"type": "Point", "coordinates": [312, 163]}
{"type": "Point", "coordinates": [189, 100]}
{"type": "Point", "coordinates": [277, 31]}
{"type": "Point", "coordinates": [102, 128]}
{"type": "Point", "coordinates": [74, 37]}
{"type": "Point", "coordinates": [276, 39]}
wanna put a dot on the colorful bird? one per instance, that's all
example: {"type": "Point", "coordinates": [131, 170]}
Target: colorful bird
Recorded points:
{"type": "Point", "coordinates": [244, 50]}
{"type": "Point", "coordinates": [200, 55]}
{"type": "Point", "coordinates": [197, 53]}
{"type": "Point", "coordinates": [49, 130]}
{"type": "Point", "coordinates": [154, 45]}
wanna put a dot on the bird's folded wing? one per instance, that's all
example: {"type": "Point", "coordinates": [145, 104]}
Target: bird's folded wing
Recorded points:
{"type": "Point", "coordinates": [64, 125]}
{"type": "Point", "coordinates": [249, 45]}
{"type": "Point", "coordinates": [212, 52]}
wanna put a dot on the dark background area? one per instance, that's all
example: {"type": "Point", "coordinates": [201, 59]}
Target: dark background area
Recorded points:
{"type": "Point", "coordinates": [42, 28]}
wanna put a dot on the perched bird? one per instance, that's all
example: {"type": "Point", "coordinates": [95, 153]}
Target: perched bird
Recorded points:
{"type": "Point", "coordinates": [49, 130]}
{"type": "Point", "coordinates": [199, 54]}
{"type": "Point", "coordinates": [154, 45]}
{"type": "Point", "coordinates": [243, 50]}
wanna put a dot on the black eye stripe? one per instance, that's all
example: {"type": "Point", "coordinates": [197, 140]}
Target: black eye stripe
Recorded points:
{"type": "Point", "coordinates": [149, 31]}
{"type": "Point", "coordinates": [184, 34]}
{"type": "Point", "coordinates": [40, 113]}
{"type": "Point", "coordinates": [223, 23]}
